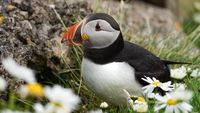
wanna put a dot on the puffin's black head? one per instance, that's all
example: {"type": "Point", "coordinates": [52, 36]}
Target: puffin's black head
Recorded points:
{"type": "Point", "coordinates": [97, 30]}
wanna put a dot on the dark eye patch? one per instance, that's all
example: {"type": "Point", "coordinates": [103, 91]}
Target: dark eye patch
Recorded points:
{"type": "Point", "coordinates": [98, 27]}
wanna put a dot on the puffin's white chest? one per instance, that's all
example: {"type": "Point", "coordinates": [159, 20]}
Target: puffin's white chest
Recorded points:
{"type": "Point", "coordinates": [109, 80]}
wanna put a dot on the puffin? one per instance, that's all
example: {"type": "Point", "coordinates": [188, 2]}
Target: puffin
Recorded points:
{"type": "Point", "coordinates": [111, 64]}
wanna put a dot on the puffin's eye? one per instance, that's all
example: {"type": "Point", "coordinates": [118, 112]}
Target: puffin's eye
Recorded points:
{"type": "Point", "coordinates": [98, 27]}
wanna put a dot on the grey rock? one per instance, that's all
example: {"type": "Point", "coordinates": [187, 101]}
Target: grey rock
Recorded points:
{"type": "Point", "coordinates": [31, 34]}
{"type": "Point", "coordinates": [17, 1]}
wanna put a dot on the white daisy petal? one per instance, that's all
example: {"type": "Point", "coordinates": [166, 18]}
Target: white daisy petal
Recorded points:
{"type": "Point", "coordinates": [158, 107]}
{"type": "Point", "coordinates": [140, 107]}
{"type": "Point", "coordinates": [39, 108]}
{"type": "Point", "coordinates": [166, 86]}
{"type": "Point", "coordinates": [154, 79]}
{"type": "Point", "coordinates": [169, 109]}
{"type": "Point", "coordinates": [3, 84]}
{"type": "Point", "coordinates": [147, 79]}
{"type": "Point", "coordinates": [179, 86]}
{"type": "Point", "coordinates": [18, 71]}
{"type": "Point", "coordinates": [149, 89]}
{"type": "Point", "coordinates": [104, 105]}
{"type": "Point", "coordinates": [177, 110]}
{"type": "Point", "coordinates": [195, 73]}
{"type": "Point", "coordinates": [154, 83]}
{"type": "Point", "coordinates": [175, 102]}
{"type": "Point", "coordinates": [196, 17]}
{"type": "Point", "coordinates": [184, 95]}
{"type": "Point", "coordinates": [178, 73]}
{"type": "Point", "coordinates": [160, 98]}
{"type": "Point", "coordinates": [186, 106]}
{"type": "Point", "coordinates": [63, 96]}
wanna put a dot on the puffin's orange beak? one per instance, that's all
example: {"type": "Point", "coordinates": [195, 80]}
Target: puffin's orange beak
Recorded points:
{"type": "Point", "coordinates": [71, 33]}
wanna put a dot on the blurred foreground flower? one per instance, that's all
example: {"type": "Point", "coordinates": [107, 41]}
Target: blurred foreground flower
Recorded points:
{"type": "Point", "coordinates": [50, 108]}
{"type": "Point", "coordinates": [179, 86]}
{"type": "Point", "coordinates": [196, 17]}
{"type": "Point", "coordinates": [178, 73]}
{"type": "Point", "coordinates": [26, 74]}
{"type": "Point", "coordinates": [61, 98]}
{"type": "Point", "coordinates": [34, 89]}
{"type": "Point", "coordinates": [174, 102]}
{"type": "Point", "coordinates": [195, 73]}
{"type": "Point", "coordinates": [20, 72]}
{"type": "Point", "coordinates": [3, 84]}
{"type": "Point", "coordinates": [104, 105]}
{"type": "Point", "coordinates": [154, 83]}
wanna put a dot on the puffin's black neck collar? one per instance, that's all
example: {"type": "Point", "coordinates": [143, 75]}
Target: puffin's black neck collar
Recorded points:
{"type": "Point", "coordinates": [105, 55]}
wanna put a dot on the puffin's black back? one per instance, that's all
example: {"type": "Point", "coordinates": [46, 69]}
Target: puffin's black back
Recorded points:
{"type": "Point", "coordinates": [143, 61]}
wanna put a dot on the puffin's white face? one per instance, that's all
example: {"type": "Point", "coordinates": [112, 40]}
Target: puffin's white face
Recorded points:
{"type": "Point", "coordinates": [100, 33]}
{"type": "Point", "coordinates": [98, 30]}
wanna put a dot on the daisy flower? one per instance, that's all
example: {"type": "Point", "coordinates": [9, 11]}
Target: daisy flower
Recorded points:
{"type": "Point", "coordinates": [138, 104]}
{"type": "Point", "coordinates": [26, 74]}
{"type": "Point", "coordinates": [34, 89]}
{"type": "Point", "coordinates": [104, 105]}
{"type": "Point", "coordinates": [178, 73]}
{"type": "Point", "coordinates": [154, 83]}
{"type": "Point", "coordinates": [195, 73]}
{"type": "Point", "coordinates": [49, 108]}
{"type": "Point", "coordinates": [174, 102]}
{"type": "Point", "coordinates": [3, 84]}
{"type": "Point", "coordinates": [128, 96]}
{"type": "Point", "coordinates": [62, 98]}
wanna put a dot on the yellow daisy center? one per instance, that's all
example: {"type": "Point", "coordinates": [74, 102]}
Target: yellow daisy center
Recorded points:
{"type": "Point", "coordinates": [171, 102]}
{"type": "Point", "coordinates": [156, 83]}
{"type": "Point", "coordinates": [140, 99]}
{"type": "Point", "coordinates": [57, 104]}
{"type": "Point", "coordinates": [35, 89]}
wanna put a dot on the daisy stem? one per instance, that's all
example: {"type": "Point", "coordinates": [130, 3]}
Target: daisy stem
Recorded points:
{"type": "Point", "coordinates": [11, 102]}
